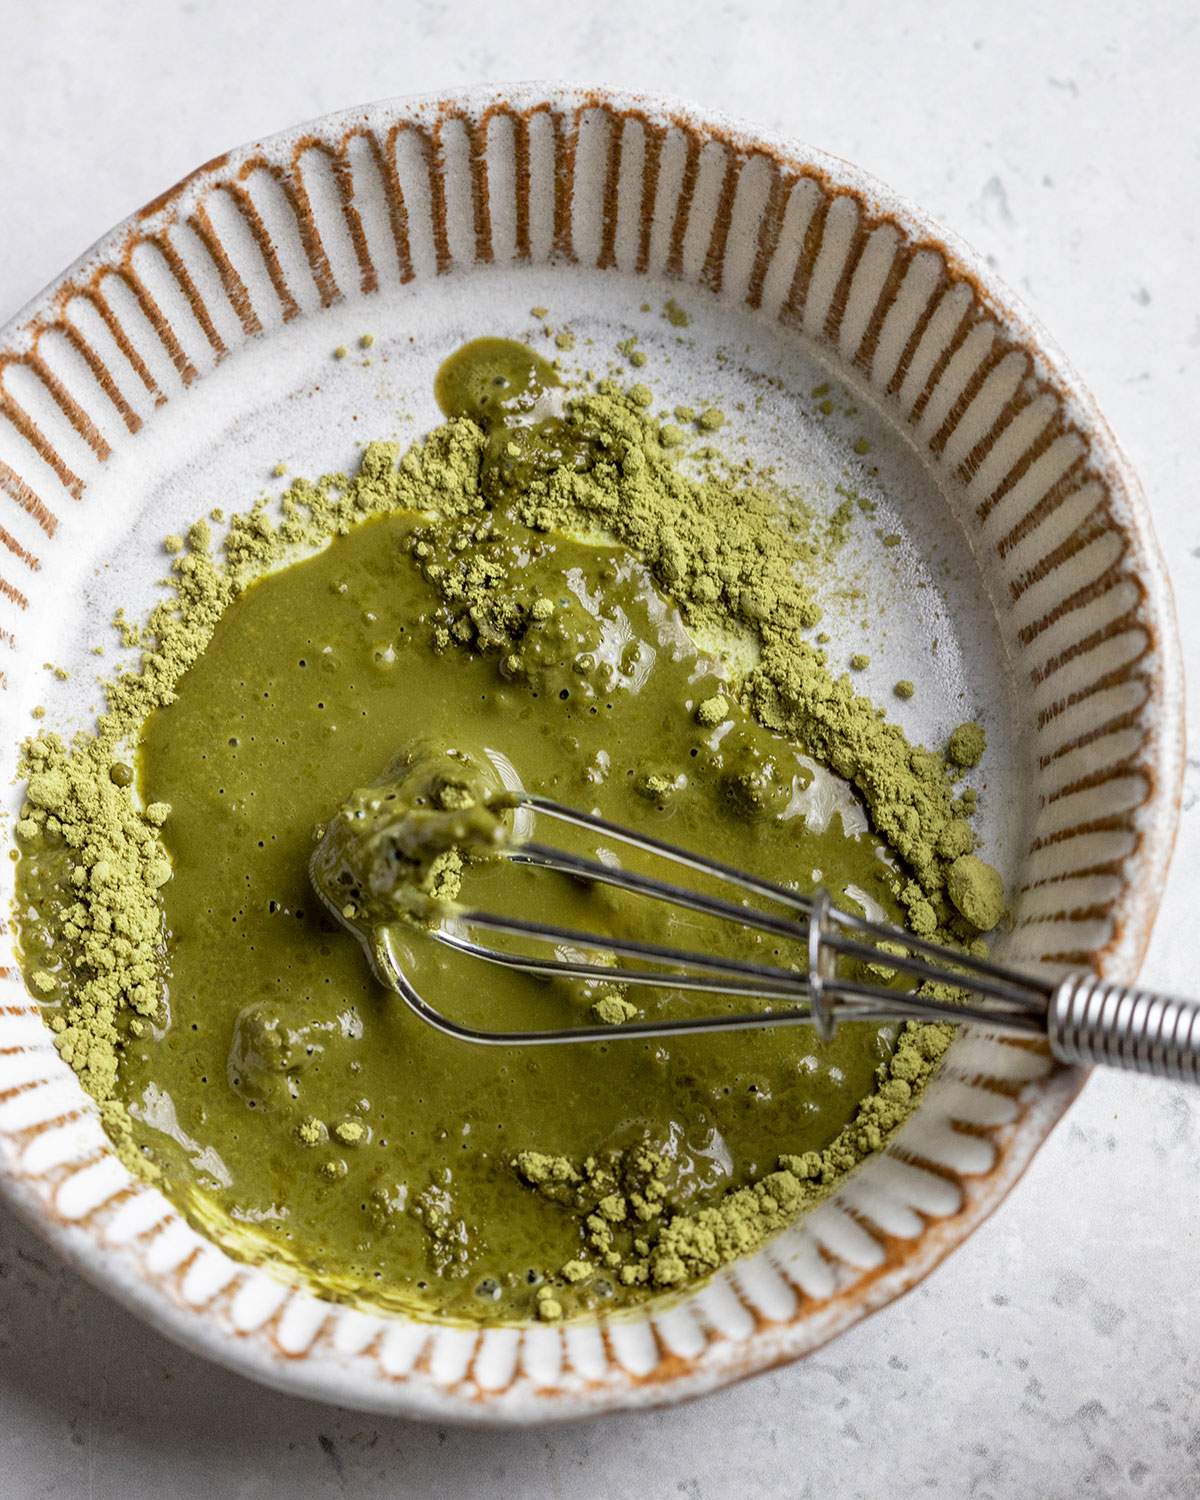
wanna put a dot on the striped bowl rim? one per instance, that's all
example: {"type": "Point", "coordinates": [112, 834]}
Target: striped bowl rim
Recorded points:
{"type": "Point", "coordinates": [365, 203]}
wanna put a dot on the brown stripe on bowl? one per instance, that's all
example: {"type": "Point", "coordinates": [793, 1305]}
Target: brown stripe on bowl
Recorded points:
{"type": "Point", "coordinates": [358, 205]}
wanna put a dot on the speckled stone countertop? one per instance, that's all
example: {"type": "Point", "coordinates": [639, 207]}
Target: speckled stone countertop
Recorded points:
{"type": "Point", "coordinates": [1058, 1354]}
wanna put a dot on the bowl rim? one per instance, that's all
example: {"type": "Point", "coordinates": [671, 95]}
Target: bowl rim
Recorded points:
{"type": "Point", "coordinates": [335, 1382]}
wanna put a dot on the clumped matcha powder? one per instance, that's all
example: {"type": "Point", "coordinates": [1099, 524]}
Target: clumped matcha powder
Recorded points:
{"type": "Point", "coordinates": [81, 821]}
{"type": "Point", "coordinates": [976, 891]}
{"type": "Point", "coordinates": [622, 1199]}
{"type": "Point", "coordinates": [966, 746]}
{"type": "Point", "coordinates": [720, 543]}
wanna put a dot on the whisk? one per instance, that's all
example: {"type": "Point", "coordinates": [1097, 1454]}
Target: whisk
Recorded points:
{"type": "Point", "coordinates": [1084, 1018]}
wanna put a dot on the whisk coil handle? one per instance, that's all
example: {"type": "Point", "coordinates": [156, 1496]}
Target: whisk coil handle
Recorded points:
{"type": "Point", "coordinates": [1099, 1021]}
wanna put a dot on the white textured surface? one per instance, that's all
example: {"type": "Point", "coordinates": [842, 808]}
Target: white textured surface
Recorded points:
{"type": "Point", "coordinates": [1058, 1353]}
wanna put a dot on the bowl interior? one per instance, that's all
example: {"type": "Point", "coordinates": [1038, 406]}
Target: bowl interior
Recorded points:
{"type": "Point", "coordinates": [286, 399]}
{"type": "Point", "coordinates": [193, 351]}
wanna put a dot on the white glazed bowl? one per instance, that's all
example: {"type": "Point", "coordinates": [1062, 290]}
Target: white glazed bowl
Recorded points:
{"type": "Point", "coordinates": [190, 348]}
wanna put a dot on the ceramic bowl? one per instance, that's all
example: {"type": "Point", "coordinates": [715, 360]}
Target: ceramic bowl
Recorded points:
{"type": "Point", "coordinates": [190, 350]}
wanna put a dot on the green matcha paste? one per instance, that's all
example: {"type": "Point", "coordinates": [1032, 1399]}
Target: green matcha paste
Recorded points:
{"type": "Point", "coordinates": [550, 592]}
{"type": "Point", "coordinates": [398, 849]}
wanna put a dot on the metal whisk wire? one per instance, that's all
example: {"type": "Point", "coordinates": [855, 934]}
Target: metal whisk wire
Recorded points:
{"type": "Point", "coordinates": [813, 994]}
{"type": "Point", "coordinates": [1084, 1017]}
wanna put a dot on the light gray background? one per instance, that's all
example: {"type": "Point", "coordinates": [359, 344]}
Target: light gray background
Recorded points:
{"type": "Point", "coordinates": [1058, 1354]}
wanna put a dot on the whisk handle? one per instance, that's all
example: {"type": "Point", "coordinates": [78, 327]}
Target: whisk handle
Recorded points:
{"type": "Point", "coordinates": [1099, 1021]}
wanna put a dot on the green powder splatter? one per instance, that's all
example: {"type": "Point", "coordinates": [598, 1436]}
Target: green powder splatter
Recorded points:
{"type": "Point", "coordinates": [966, 745]}
{"type": "Point", "coordinates": [840, 523]}
{"type": "Point", "coordinates": [977, 891]}
{"type": "Point", "coordinates": [613, 1009]}
{"type": "Point", "coordinates": [711, 711]}
{"type": "Point", "coordinates": [717, 540]}
{"type": "Point", "coordinates": [622, 1198]}
{"type": "Point", "coordinates": [628, 347]}
{"type": "Point", "coordinates": [677, 316]}
{"type": "Point", "coordinates": [350, 1132]}
{"type": "Point", "coordinates": [312, 1132]}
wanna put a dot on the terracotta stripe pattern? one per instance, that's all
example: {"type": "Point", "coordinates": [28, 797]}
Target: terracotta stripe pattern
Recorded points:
{"type": "Point", "coordinates": [366, 202]}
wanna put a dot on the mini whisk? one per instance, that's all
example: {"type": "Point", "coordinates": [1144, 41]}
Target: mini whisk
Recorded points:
{"type": "Point", "coordinates": [1084, 1018]}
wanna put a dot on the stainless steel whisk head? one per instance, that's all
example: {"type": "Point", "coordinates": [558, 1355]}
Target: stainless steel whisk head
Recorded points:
{"type": "Point", "coordinates": [1085, 1019]}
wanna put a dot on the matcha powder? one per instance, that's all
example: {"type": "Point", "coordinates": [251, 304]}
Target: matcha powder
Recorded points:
{"type": "Point", "coordinates": [721, 545]}
{"type": "Point", "coordinates": [630, 1233]}
{"type": "Point", "coordinates": [718, 539]}
{"type": "Point", "coordinates": [92, 858]}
